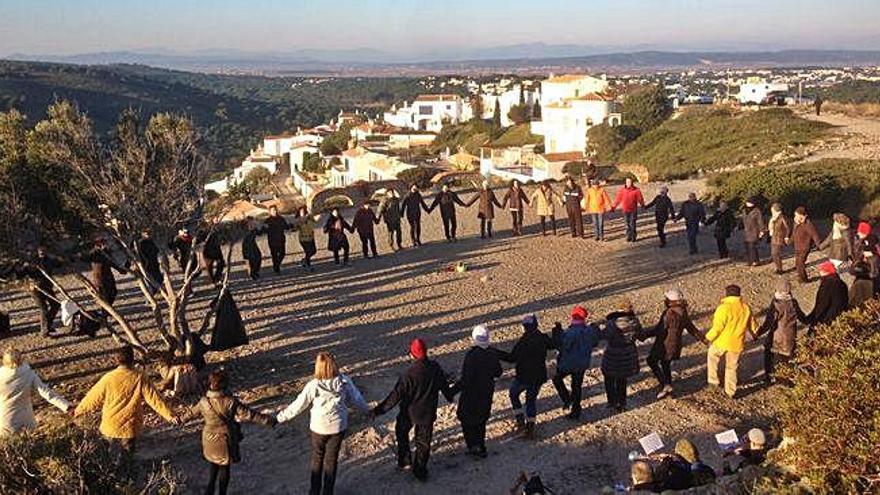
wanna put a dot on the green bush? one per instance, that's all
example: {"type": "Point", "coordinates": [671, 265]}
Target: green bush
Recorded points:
{"type": "Point", "coordinates": [832, 413]}
{"type": "Point", "coordinates": [518, 135]}
{"type": "Point", "coordinates": [421, 176]}
{"type": "Point", "coordinates": [824, 187]}
{"type": "Point", "coordinates": [647, 108]}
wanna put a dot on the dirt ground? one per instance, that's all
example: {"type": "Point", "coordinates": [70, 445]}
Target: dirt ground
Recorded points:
{"type": "Point", "coordinates": [367, 314]}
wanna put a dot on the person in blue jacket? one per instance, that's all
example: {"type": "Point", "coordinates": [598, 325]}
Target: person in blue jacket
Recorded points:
{"type": "Point", "coordinates": [575, 345]}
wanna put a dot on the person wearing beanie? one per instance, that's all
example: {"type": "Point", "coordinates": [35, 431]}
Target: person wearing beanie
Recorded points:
{"type": "Point", "coordinates": [416, 393]}
{"type": "Point", "coordinates": [803, 237]}
{"type": "Point", "coordinates": [574, 347]}
{"type": "Point", "coordinates": [725, 222]}
{"type": "Point", "coordinates": [863, 287]}
{"type": "Point", "coordinates": [838, 244]}
{"type": "Point", "coordinates": [701, 473]}
{"type": "Point", "coordinates": [667, 334]}
{"type": "Point", "coordinates": [621, 357]}
{"type": "Point", "coordinates": [727, 337]}
{"type": "Point", "coordinates": [753, 228]}
{"type": "Point", "coordinates": [867, 249]}
{"type": "Point", "coordinates": [664, 211]}
{"type": "Point", "coordinates": [780, 324]}
{"type": "Point", "coordinates": [629, 198]}
{"type": "Point", "coordinates": [832, 297]}
{"type": "Point", "coordinates": [477, 386]}
{"type": "Point", "coordinates": [529, 356]}
{"type": "Point", "coordinates": [752, 454]}
{"type": "Point", "coordinates": [779, 229]}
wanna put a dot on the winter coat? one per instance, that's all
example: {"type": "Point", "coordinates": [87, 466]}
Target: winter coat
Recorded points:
{"type": "Point", "coordinates": [840, 249]}
{"type": "Point", "coordinates": [416, 392]}
{"type": "Point", "coordinates": [530, 355]}
{"type": "Point", "coordinates": [275, 227]}
{"type": "Point", "coordinates": [572, 197]}
{"type": "Point", "coordinates": [724, 222]}
{"type": "Point", "coordinates": [621, 358]}
{"type": "Point", "coordinates": [596, 200]}
{"type": "Point", "coordinates": [329, 400]}
{"type": "Point", "coordinates": [488, 202]}
{"type": "Point", "coordinates": [477, 385]}
{"type": "Point", "coordinates": [220, 412]}
{"type": "Point", "coordinates": [149, 257]}
{"type": "Point", "coordinates": [212, 248]}
{"type": "Point", "coordinates": [861, 290]}
{"type": "Point", "coordinates": [544, 202]}
{"type": "Point", "coordinates": [780, 325]}
{"type": "Point", "coordinates": [514, 199]}
{"type": "Point", "coordinates": [250, 250]}
{"type": "Point", "coordinates": [103, 265]}
{"type": "Point", "coordinates": [306, 227]}
{"type": "Point", "coordinates": [364, 220]}
{"type": "Point", "coordinates": [780, 230]}
{"type": "Point", "coordinates": [389, 212]}
{"type": "Point", "coordinates": [693, 213]}
{"type": "Point", "coordinates": [447, 201]}
{"type": "Point", "coordinates": [663, 208]}
{"type": "Point", "coordinates": [182, 247]}
{"type": "Point", "coordinates": [832, 298]}
{"type": "Point", "coordinates": [868, 244]}
{"type": "Point", "coordinates": [575, 347]}
{"type": "Point", "coordinates": [629, 199]}
{"type": "Point", "coordinates": [731, 321]}
{"type": "Point", "coordinates": [335, 229]}
{"type": "Point", "coordinates": [412, 206]}
{"type": "Point", "coordinates": [753, 225]}
{"type": "Point", "coordinates": [120, 394]}
{"type": "Point", "coordinates": [668, 332]}
{"type": "Point", "coordinates": [16, 389]}
{"type": "Point", "coordinates": [804, 236]}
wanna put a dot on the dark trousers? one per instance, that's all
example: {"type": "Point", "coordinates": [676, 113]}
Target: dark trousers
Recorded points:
{"type": "Point", "coordinates": [485, 227]}
{"type": "Point", "coordinates": [254, 265]}
{"type": "Point", "coordinates": [544, 224]}
{"type": "Point", "coordinates": [474, 435]}
{"type": "Point", "coordinates": [752, 252]}
{"type": "Point", "coordinates": [661, 231]}
{"type": "Point", "coordinates": [771, 361]}
{"type": "Point", "coordinates": [516, 217]}
{"type": "Point", "coordinates": [214, 268]}
{"type": "Point", "coordinates": [776, 255]}
{"type": "Point", "coordinates": [277, 252]}
{"type": "Point", "coordinates": [721, 241]}
{"type": "Point", "coordinates": [615, 391]}
{"type": "Point", "coordinates": [309, 250]}
{"type": "Point", "coordinates": [108, 292]}
{"type": "Point", "coordinates": [415, 231]}
{"type": "Point", "coordinates": [344, 249]}
{"type": "Point", "coordinates": [572, 397]}
{"type": "Point", "coordinates": [692, 231]}
{"type": "Point", "coordinates": [219, 477]}
{"type": "Point", "coordinates": [325, 453]}
{"type": "Point", "coordinates": [516, 389]}
{"type": "Point", "coordinates": [661, 368]}
{"type": "Point", "coordinates": [368, 243]}
{"type": "Point", "coordinates": [48, 309]}
{"type": "Point", "coordinates": [575, 221]}
{"type": "Point", "coordinates": [395, 236]}
{"type": "Point", "coordinates": [422, 441]}
{"type": "Point", "coordinates": [449, 226]}
{"type": "Point", "coordinates": [800, 263]}
{"type": "Point", "coordinates": [630, 219]}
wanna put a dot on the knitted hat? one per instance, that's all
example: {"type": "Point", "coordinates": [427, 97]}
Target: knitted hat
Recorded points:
{"type": "Point", "coordinates": [757, 438]}
{"type": "Point", "coordinates": [480, 336]}
{"type": "Point", "coordinates": [864, 228]}
{"type": "Point", "coordinates": [674, 295]}
{"type": "Point", "coordinates": [827, 268]}
{"type": "Point", "coordinates": [687, 450]}
{"type": "Point", "coordinates": [579, 313]}
{"type": "Point", "coordinates": [783, 286]}
{"type": "Point", "coordinates": [529, 320]}
{"type": "Point", "coordinates": [418, 349]}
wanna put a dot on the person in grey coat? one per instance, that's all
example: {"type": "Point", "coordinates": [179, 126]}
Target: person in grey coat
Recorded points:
{"type": "Point", "coordinates": [753, 227]}
{"type": "Point", "coordinates": [693, 212]}
{"type": "Point", "coordinates": [780, 324]}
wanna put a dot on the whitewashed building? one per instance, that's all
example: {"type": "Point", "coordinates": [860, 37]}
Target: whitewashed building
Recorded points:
{"type": "Point", "coordinates": [257, 158]}
{"type": "Point", "coordinates": [360, 164]}
{"type": "Point", "coordinates": [429, 112]}
{"type": "Point", "coordinates": [756, 90]}
{"type": "Point", "coordinates": [505, 100]}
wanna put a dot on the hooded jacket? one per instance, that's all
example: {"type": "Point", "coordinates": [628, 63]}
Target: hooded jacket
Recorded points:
{"type": "Point", "coordinates": [530, 355]}
{"type": "Point", "coordinates": [329, 400]}
{"type": "Point", "coordinates": [477, 385]}
{"type": "Point", "coordinates": [780, 325]}
{"type": "Point", "coordinates": [218, 410]}
{"type": "Point", "coordinates": [416, 392]}
{"type": "Point", "coordinates": [668, 332]}
{"type": "Point", "coordinates": [832, 298]}
{"type": "Point", "coordinates": [575, 346]}
{"type": "Point", "coordinates": [16, 408]}
{"type": "Point", "coordinates": [731, 321]}
{"type": "Point", "coordinates": [621, 357]}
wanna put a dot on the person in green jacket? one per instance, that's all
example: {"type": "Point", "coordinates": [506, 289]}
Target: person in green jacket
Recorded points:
{"type": "Point", "coordinates": [389, 212]}
{"type": "Point", "coordinates": [305, 224]}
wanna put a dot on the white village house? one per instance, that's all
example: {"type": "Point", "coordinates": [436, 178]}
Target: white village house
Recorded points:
{"type": "Point", "coordinates": [360, 164]}
{"type": "Point", "coordinates": [756, 90]}
{"type": "Point", "coordinates": [506, 100]}
{"type": "Point", "coordinates": [257, 158]}
{"type": "Point", "coordinates": [429, 112]}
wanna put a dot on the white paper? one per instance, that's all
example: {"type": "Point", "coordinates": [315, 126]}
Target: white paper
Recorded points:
{"type": "Point", "coordinates": [651, 443]}
{"type": "Point", "coordinates": [727, 439]}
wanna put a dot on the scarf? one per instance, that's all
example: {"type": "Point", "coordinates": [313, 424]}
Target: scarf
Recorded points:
{"type": "Point", "coordinates": [838, 231]}
{"type": "Point", "coordinates": [774, 216]}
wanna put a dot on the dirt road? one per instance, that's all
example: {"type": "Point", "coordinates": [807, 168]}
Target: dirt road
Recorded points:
{"type": "Point", "coordinates": [853, 137]}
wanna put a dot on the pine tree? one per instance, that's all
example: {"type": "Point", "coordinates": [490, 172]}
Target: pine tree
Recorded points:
{"type": "Point", "coordinates": [536, 111]}
{"type": "Point", "coordinates": [496, 117]}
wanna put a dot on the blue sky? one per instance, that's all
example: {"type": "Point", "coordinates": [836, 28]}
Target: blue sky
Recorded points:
{"type": "Point", "coordinates": [76, 26]}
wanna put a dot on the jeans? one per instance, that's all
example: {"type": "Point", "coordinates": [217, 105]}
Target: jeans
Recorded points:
{"type": "Point", "coordinates": [368, 243]}
{"type": "Point", "coordinates": [277, 252]}
{"type": "Point", "coordinates": [630, 218]}
{"type": "Point", "coordinates": [422, 441]}
{"type": "Point", "coordinates": [474, 435]}
{"type": "Point", "coordinates": [485, 227]}
{"type": "Point", "coordinates": [516, 217]}
{"type": "Point", "coordinates": [692, 231]}
{"type": "Point", "coordinates": [599, 226]}
{"type": "Point", "coordinates": [661, 231]}
{"type": "Point", "coordinates": [615, 391]}
{"type": "Point", "coordinates": [325, 453]}
{"type": "Point", "coordinates": [731, 363]}
{"type": "Point", "coordinates": [516, 389]}
{"type": "Point", "coordinates": [572, 397]}
{"type": "Point", "coordinates": [309, 250]}
{"type": "Point", "coordinates": [449, 225]}
{"type": "Point", "coordinates": [218, 477]}
{"type": "Point", "coordinates": [415, 231]}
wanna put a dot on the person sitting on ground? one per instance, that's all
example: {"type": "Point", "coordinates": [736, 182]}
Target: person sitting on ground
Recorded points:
{"type": "Point", "coordinates": [780, 324]}
{"type": "Point", "coordinates": [621, 357]}
{"type": "Point", "coordinates": [660, 472]}
{"type": "Point", "coordinates": [575, 349]}
{"type": "Point", "coordinates": [17, 383]}
{"type": "Point", "coordinates": [530, 355]}
{"type": "Point", "coordinates": [701, 473]}
{"type": "Point", "coordinates": [752, 454]}
{"type": "Point", "coordinates": [177, 376]}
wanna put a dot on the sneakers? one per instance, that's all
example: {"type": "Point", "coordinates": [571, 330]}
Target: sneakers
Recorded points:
{"type": "Point", "coordinates": [666, 391]}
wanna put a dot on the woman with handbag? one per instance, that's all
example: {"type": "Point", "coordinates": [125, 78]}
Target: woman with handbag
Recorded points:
{"type": "Point", "coordinates": [222, 435]}
{"type": "Point", "coordinates": [328, 394]}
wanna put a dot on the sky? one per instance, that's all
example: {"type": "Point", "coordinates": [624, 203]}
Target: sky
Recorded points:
{"type": "Point", "coordinates": [61, 27]}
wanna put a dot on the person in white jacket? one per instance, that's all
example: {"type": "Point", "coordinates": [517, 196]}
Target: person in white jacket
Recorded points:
{"type": "Point", "coordinates": [329, 394]}
{"type": "Point", "coordinates": [17, 383]}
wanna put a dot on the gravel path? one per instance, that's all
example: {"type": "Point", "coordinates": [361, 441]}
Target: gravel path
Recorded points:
{"type": "Point", "coordinates": [858, 137]}
{"type": "Point", "coordinates": [367, 314]}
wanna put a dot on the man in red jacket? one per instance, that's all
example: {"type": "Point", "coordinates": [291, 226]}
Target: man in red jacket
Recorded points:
{"type": "Point", "coordinates": [629, 198]}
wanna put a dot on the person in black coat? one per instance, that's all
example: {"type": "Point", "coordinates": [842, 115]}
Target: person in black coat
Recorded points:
{"type": "Point", "coordinates": [42, 289]}
{"type": "Point", "coordinates": [477, 386]}
{"type": "Point", "coordinates": [411, 207]}
{"type": "Point", "coordinates": [621, 358]}
{"type": "Point", "coordinates": [693, 213]}
{"type": "Point", "coordinates": [530, 355]}
{"type": "Point", "coordinates": [389, 211]}
{"type": "Point", "coordinates": [363, 222]}
{"type": "Point", "coordinates": [181, 247]}
{"type": "Point", "coordinates": [447, 200]}
{"type": "Point", "coordinates": [337, 240]}
{"type": "Point", "coordinates": [148, 254]}
{"type": "Point", "coordinates": [417, 394]}
{"type": "Point", "coordinates": [724, 221]}
{"type": "Point", "coordinates": [275, 228]}
{"type": "Point", "coordinates": [832, 297]}
{"type": "Point", "coordinates": [102, 263]}
{"type": "Point", "coordinates": [572, 194]}
{"type": "Point", "coordinates": [664, 211]}
{"type": "Point", "coordinates": [212, 256]}
{"type": "Point", "coordinates": [250, 250]}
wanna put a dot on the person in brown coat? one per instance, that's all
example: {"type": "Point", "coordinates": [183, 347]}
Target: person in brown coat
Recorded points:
{"type": "Point", "coordinates": [803, 237]}
{"type": "Point", "coordinates": [754, 228]}
{"type": "Point", "coordinates": [486, 213]}
{"type": "Point", "coordinates": [513, 200]}
{"type": "Point", "coordinates": [780, 324]}
{"type": "Point", "coordinates": [221, 436]}
{"type": "Point", "coordinates": [779, 229]}
{"type": "Point", "coordinates": [543, 200]}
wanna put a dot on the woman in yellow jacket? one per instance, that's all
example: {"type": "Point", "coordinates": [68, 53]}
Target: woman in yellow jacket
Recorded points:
{"type": "Point", "coordinates": [727, 337]}
{"type": "Point", "coordinates": [596, 203]}
{"type": "Point", "coordinates": [542, 199]}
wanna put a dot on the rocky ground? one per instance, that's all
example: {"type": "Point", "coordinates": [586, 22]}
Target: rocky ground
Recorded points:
{"type": "Point", "coordinates": [367, 314]}
{"type": "Point", "coordinates": [852, 137]}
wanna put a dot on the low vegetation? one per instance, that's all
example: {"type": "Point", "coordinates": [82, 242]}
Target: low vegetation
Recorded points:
{"type": "Point", "coordinates": [469, 135]}
{"type": "Point", "coordinates": [518, 135]}
{"type": "Point", "coordinates": [852, 92]}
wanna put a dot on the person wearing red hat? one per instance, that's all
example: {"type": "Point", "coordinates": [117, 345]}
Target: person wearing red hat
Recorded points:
{"type": "Point", "coordinates": [575, 348]}
{"type": "Point", "coordinates": [868, 250]}
{"type": "Point", "coordinates": [832, 297]}
{"type": "Point", "coordinates": [416, 392]}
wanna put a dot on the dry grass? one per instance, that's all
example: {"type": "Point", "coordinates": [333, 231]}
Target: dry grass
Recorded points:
{"type": "Point", "coordinates": [853, 109]}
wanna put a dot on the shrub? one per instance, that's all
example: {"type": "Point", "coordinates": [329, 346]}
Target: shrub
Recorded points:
{"type": "Point", "coordinates": [647, 108]}
{"type": "Point", "coordinates": [518, 135]}
{"type": "Point", "coordinates": [421, 176]}
{"type": "Point", "coordinates": [833, 412]}
{"type": "Point", "coordinates": [606, 142]}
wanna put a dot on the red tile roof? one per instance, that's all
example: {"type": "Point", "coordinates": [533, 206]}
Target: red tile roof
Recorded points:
{"type": "Point", "coordinates": [438, 97]}
{"type": "Point", "coordinates": [570, 156]}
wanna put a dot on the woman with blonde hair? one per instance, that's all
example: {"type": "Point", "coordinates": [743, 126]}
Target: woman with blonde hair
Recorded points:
{"type": "Point", "coordinates": [17, 382]}
{"type": "Point", "coordinates": [328, 394]}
